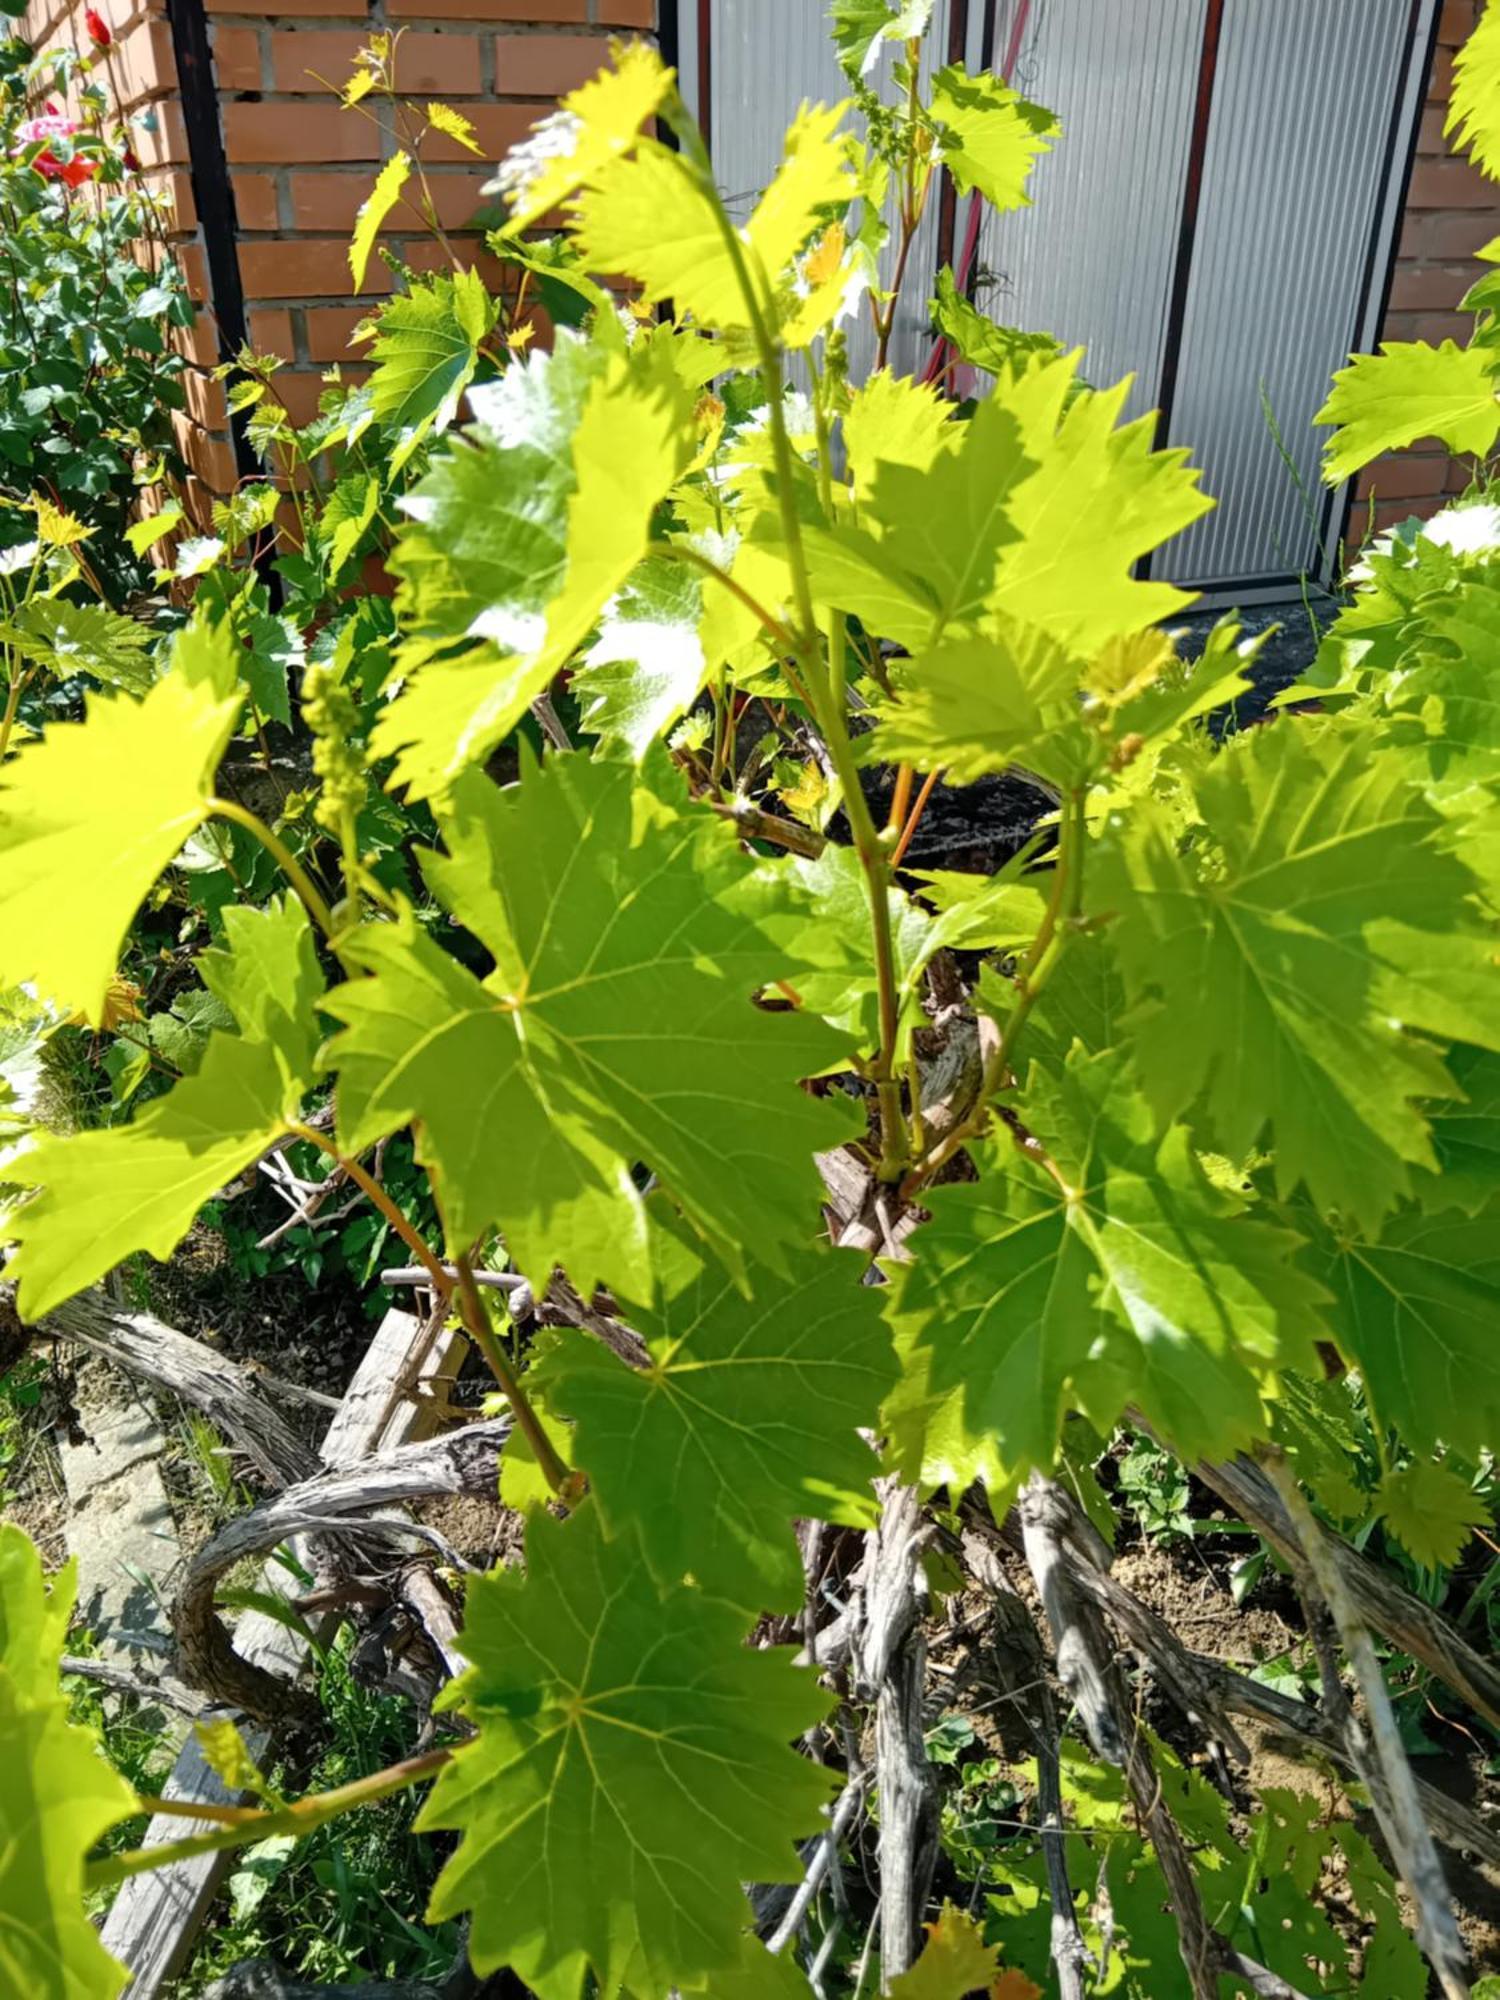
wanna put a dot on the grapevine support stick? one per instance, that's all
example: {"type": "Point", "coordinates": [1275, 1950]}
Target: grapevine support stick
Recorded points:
{"type": "Point", "coordinates": [1374, 1748]}
{"type": "Point", "coordinates": [560, 1307]}
{"type": "Point", "coordinates": [824, 1856]}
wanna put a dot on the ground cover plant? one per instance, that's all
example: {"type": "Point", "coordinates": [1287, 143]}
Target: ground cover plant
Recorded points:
{"type": "Point", "coordinates": [846, 1210]}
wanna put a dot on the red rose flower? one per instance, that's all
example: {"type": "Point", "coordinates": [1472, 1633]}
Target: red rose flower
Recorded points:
{"type": "Point", "coordinates": [98, 28]}
{"type": "Point", "coordinates": [40, 132]}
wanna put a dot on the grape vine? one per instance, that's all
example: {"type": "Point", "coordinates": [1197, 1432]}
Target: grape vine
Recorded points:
{"type": "Point", "coordinates": [1228, 1117]}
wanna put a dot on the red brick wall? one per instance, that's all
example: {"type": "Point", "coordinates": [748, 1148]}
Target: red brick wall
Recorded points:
{"type": "Point", "coordinates": [1451, 212]}
{"type": "Point", "coordinates": [300, 165]}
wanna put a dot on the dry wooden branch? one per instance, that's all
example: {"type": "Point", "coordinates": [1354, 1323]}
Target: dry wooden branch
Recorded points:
{"type": "Point", "coordinates": [166, 1692]}
{"type": "Point", "coordinates": [225, 1393]}
{"type": "Point", "coordinates": [463, 1463]}
{"type": "Point", "coordinates": [1053, 1531]}
{"type": "Point", "coordinates": [1378, 1600]}
{"type": "Point", "coordinates": [1019, 1667]}
{"type": "Point", "coordinates": [1308, 1732]}
{"type": "Point", "coordinates": [1376, 1750]}
{"type": "Point", "coordinates": [1080, 1644]}
{"type": "Point", "coordinates": [822, 1856]}
{"type": "Point", "coordinates": [889, 1663]}
{"type": "Point", "coordinates": [561, 1307]}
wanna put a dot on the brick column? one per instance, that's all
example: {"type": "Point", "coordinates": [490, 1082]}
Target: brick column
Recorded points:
{"type": "Point", "coordinates": [1451, 212]}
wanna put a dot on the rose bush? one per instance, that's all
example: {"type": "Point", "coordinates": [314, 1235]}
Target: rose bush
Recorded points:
{"type": "Point", "coordinates": [88, 296]}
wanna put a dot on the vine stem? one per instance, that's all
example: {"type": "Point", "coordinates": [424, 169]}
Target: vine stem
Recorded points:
{"type": "Point", "coordinates": [442, 1282]}
{"type": "Point", "coordinates": [912, 206]}
{"type": "Point", "coordinates": [477, 1323]}
{"type": "Point", "coordinates": [929, 786]}
{"type": "Point", "coordinates": [1064, 901]}
{"type": "Point", "coordinates": [198, 1809]}
{"type": "Point", "coordinates": [826, 692]}
{"type": "Point", "coordinates": [472, 1309]}
{"type": "Point", "coordinates": [303, 1817]}
{"type": "Point", "coordinates": [284, 858]}
{"type": "Point", "coordinates": [684, 552]}
{"type": "Point", "coordinates": [1379, 1758]}
{"type": "Point", "coordinates": [12, 703]}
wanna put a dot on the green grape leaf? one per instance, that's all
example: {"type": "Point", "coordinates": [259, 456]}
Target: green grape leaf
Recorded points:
{"type": "Point", "coordinates": [954, 1961]}
{"type": "Point", "coordinates": [991, 136]}
{"type": "Point", "coordinates": [1474, 108]}
{"type": "Point", "coordinates": [647, 665]}
{"type": "Point", "coordinates": [373, 211]}
{"type": "Point", "coordinates": [649, 217]}
{"type": "Point", "coordinates": [745, 1420]}
{"type": "Point", "coordinates": [1277, 962]}
{"type": "Point", "coordinates": [979, 340]}
{"type": "Point", "coordinates": [453, 125]}
{"type": "Point", "coordinates": [1391, 1959]}
{"type": "Point", "coordinates": [631, 1771]}
{"type": "Point", "coordinates": [1315, 1423]}
{"type": "Point", "coordinates": [593, 126]}
{"type": "Point", "coordinates": [351, 507]}
{"type": "Point", "coordinates": [58, 1797]}
{"type": "Point", "coordinates": [34, 1618]}
{"type": "Point", "coordinates": [522, 534]}
{"type": "Point", "coordinates": [892, 420]}
{"type": "Point", "coordinates": [1095, 500]}
{"type": "Point", "coordinates": [1095, 1258]}
{"type": "Point", "coordinates": [91, 815]}
{"type": "Point", "coordinates": [146, 533]}
{"type": "Point", "coordinates": [1466, 1135]}
{"type": "Point", "coordinates": [1413, 1308]}
{"type": "Point", "coordinates": [861, 28]}
{"type": "Point", "coordinates": [425, 350]}
{"type": "Point", "coordinates": [947, 526]}
{"type": "Point", "coordinates": [104, 1195]}
{"type": "Point", "coordinates": [1431, 1511]}
{"type": "Point", "coordinates": [760, 1976]}
{"type": "Point", "coordinates": [68, 639]}
{"type": "Point", "coordinates": [1409, 390]}
{"type": "Point", "coordinates": [844, 987]}
{"type": "Point", "coordinates": [977, 703]}
{"type": "Point", "coordinates": [814, 175]}
{"type": "Point", "coordinates": [629, 935]}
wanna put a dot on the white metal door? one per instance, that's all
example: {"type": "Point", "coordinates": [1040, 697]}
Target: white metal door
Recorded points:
{"type": "Point", "coordinates": [1217, 219]}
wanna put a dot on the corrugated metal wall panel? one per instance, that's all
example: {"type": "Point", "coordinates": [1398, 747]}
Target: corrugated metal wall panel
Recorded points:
{"type": "Point", "coordinates": [1295, 172]}
{"type": "Point", "coordinates": [1091, 260]}
{"type": "Point", "coordinates": [1312, 113]}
